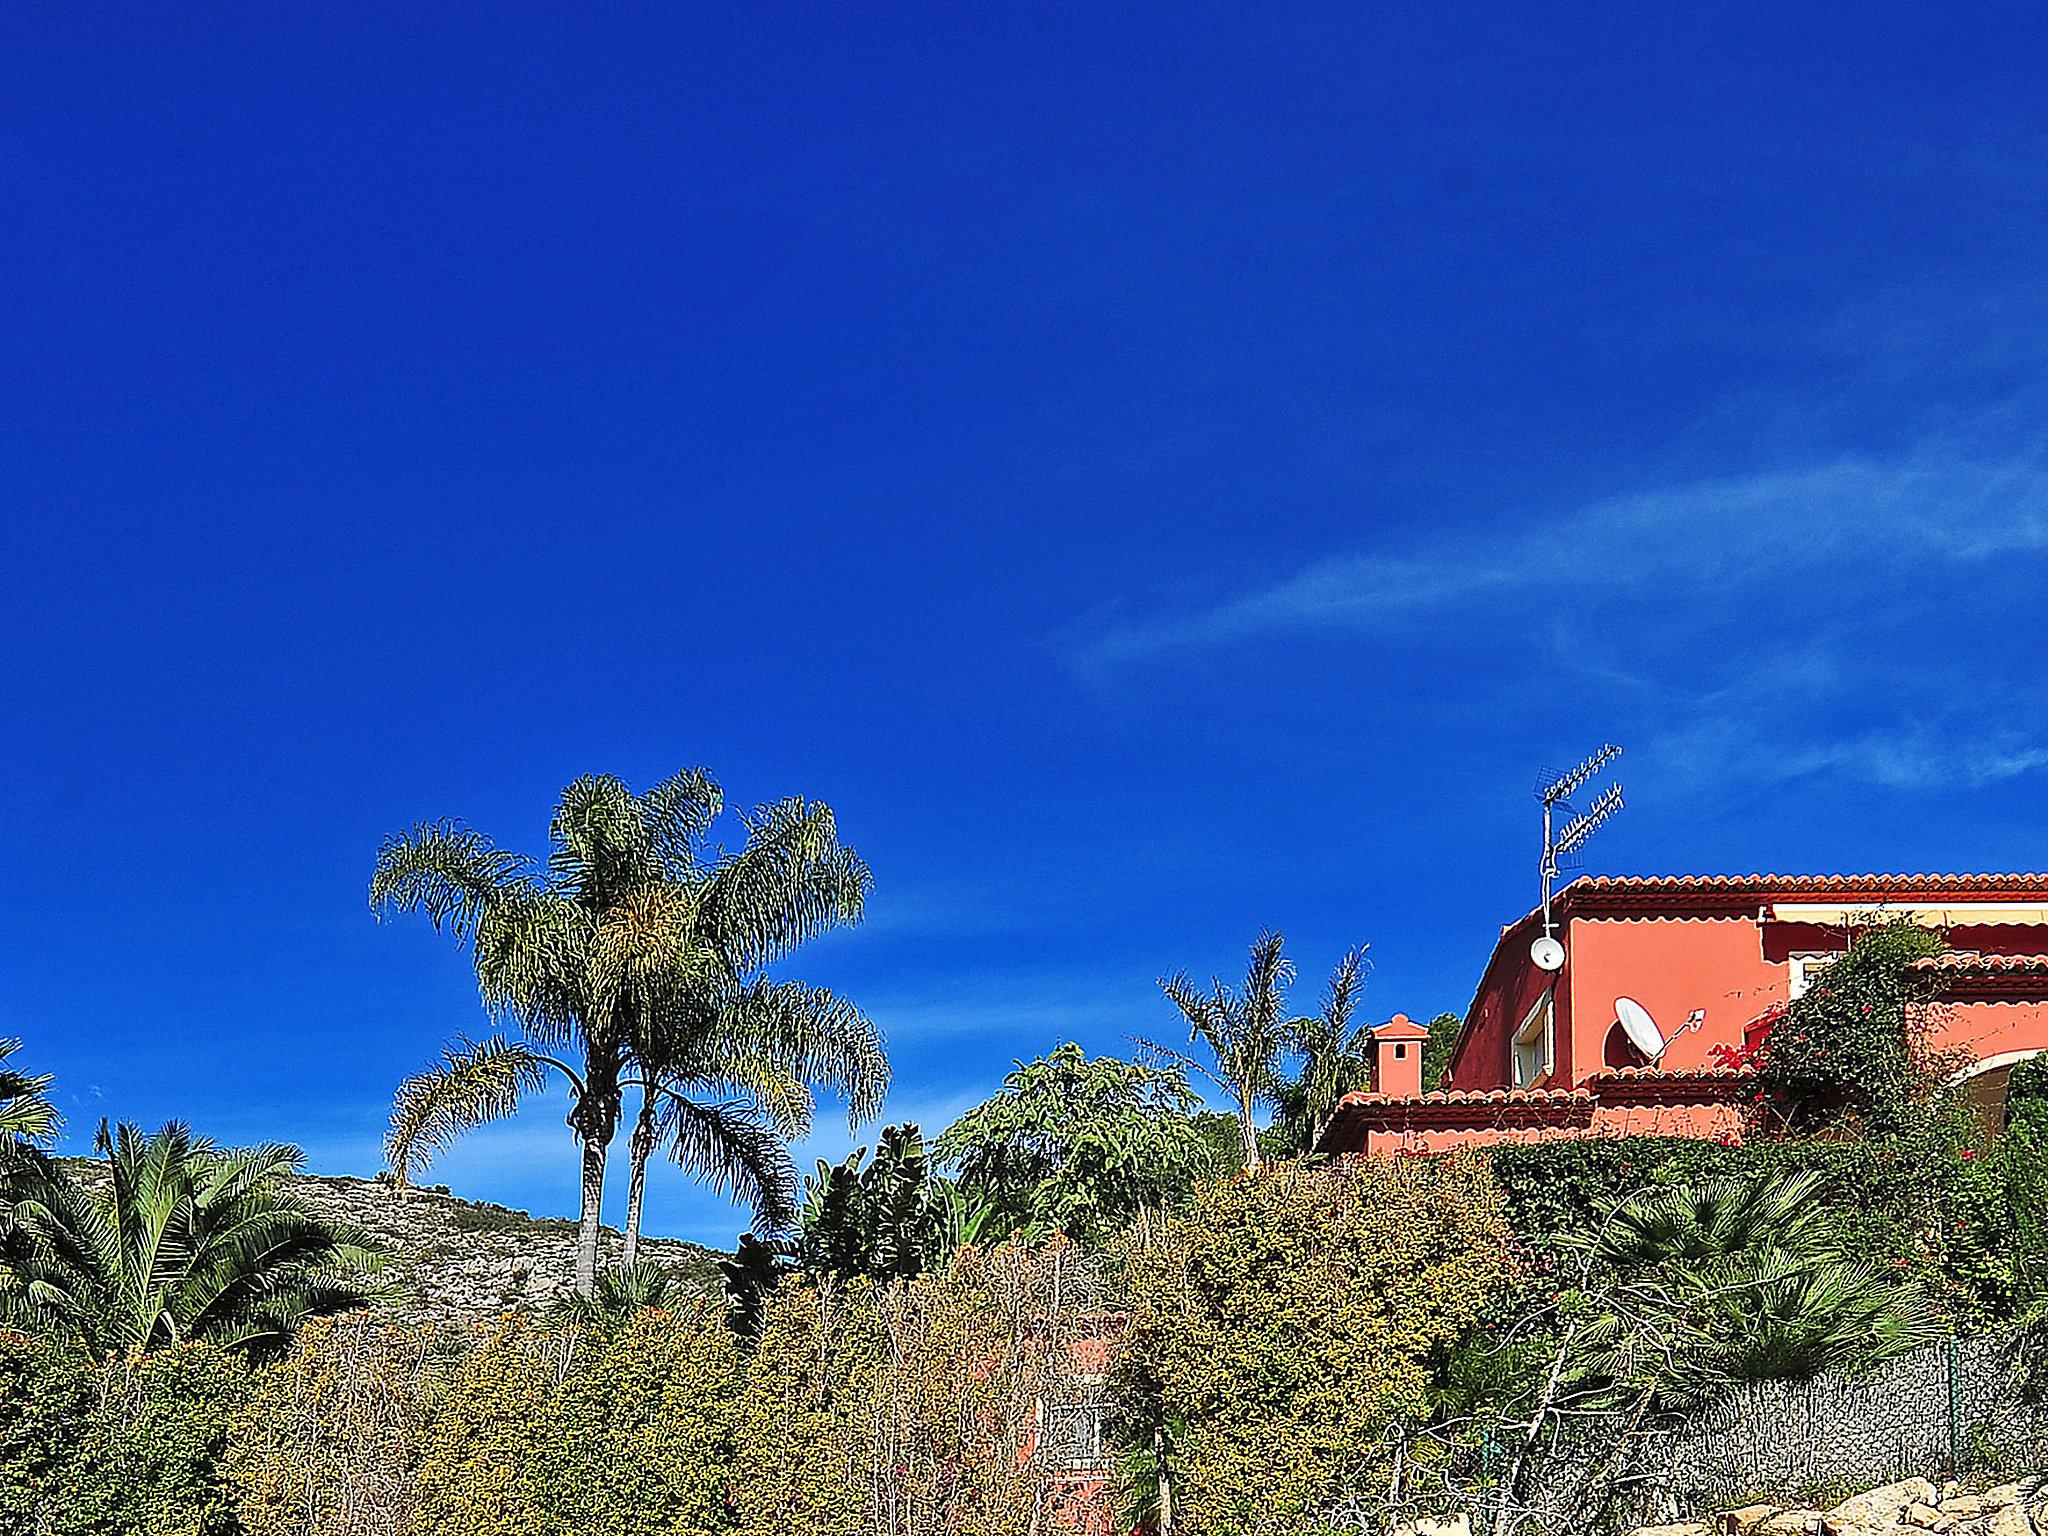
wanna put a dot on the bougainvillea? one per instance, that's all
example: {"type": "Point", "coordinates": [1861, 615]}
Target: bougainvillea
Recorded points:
{"type": "Point", "coordinates": [1856, 1046]}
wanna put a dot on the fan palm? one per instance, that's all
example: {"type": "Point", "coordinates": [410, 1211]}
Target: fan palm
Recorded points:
{"type": "Point", "coordinates": [634, 959]}
{"type": "Point", "coordinates": [1737, 1279]}
{"type": "Point", "coordinates": [1244, 1031]}
{"type": "Point", "coordinates": [185, 1241]}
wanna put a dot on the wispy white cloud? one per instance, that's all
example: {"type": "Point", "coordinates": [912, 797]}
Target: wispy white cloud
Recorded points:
{"type": "Point", "coordinates": [1709, 541]}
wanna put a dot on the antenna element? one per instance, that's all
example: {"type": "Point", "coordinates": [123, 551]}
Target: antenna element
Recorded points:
{"type": "Point", "coordinates": [1557, 842]}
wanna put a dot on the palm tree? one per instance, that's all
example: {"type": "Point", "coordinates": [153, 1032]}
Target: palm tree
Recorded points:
{"type": "Point", "coordinates": [1336, 1056]}
{"type": "Point", "coordinates": [26, 1113]}
{"type": "Point", "coordinates": [1245, 1032]}
{"type": "Point", "coordinates": [726, 1073]}
{"type": "Point", "coordinates": [635, 960]}
{"type": "Point", "coordinates": [1739, 1279]}
{"type": "Point", "coordinates": [184, 1242]}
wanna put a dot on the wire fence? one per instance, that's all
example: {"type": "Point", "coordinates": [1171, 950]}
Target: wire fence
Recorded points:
{"type": "Point", "coordinates": [1952, 1409]}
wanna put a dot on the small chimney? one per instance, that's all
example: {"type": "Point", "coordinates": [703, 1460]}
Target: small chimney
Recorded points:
{"type": "Point", "coordinates": [1397, 1057]}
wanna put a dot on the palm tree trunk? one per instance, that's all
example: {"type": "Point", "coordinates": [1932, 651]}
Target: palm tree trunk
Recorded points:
{"type": "Point", "coordinates": [1250, 1132]}
{"type": "Point", "coordinates": [639, 1148]}
{"type": "Point", "coordinates": [593, 1217]}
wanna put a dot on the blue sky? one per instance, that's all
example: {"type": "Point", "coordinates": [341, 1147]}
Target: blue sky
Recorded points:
{"type": "Point", "coordinates": [1156, 474]}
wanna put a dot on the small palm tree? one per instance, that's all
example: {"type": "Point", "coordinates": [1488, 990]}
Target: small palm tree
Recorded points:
{"type": "Point", "coordinates": [1335, 1053]}
{"type": "Point", "coordinates": [185, 1241]}
{"type": "Point", "coordinates": [1738, 1279]}
{"type": "Point", "coordinates": [622, 1291]}
{"type": "Point", "coordinates": [1244, 1031]}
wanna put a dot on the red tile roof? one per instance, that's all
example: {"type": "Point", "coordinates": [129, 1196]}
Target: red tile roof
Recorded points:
{"type": "Point", "coordinates": [1538, 1096]}
{"type": "Point", "coordinates": [1976, 963]}
{"type": "Point", "coordinates": [1857, 885]}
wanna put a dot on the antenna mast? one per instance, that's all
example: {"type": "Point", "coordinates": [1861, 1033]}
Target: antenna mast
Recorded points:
{"type": "Point", "coordinates": [1560, 841]}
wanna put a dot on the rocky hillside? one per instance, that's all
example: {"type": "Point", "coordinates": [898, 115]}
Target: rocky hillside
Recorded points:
{"type": "Point", "coordinates": [460, 1260]}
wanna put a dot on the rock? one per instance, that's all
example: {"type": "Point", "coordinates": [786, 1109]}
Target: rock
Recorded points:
{"type": "Point", "coordinates": [2005, 1520]}
{"type": "Point", "coordinates": [1925, 1517]}
{"type": "Point", "coordinates": [1679, 1528]}
{"type": "Point", "coordinates": [1963, 1506]}
{"type": "Point", "coordinates": [1791, 1522]}
{"type": "Point", "coordinates": [1880, 1508]}
{"type": "Point", "coordinates": [1739, 1522]}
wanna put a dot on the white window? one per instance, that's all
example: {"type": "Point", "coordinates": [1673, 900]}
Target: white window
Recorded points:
{"type": "Point", "coordinates": [1535, 1042]}
{"type": "Point", "coordinates": [1804, 964]}
{"type": "Point", "coordinates": [1073, 1434]}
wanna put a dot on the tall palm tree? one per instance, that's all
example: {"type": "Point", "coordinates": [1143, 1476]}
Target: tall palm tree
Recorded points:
{"type": "Point", "coordinates": [1244, 1031]}
{"type": "Point", "coordinates": [635, 959]}
{"type": "Point", "coordinates": [185, 1241]}
{"type": "Point", "coordinates": [1336, 1055]}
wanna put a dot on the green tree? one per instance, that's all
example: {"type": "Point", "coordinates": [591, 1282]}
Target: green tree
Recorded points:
{"type": "Point", "coordinates": [892, 1218]}
{"type": "Point", "coordinates": [1078, 1144]}
{"type": "Point", "coordinates": [637, 945]}
{"type": "Point", "coordinates": [184, 1241]}
{"type": "Point", "coordinates": [1444, 1030]}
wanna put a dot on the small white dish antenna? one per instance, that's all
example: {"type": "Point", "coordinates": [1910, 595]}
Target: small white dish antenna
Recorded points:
{"type": "Point", "coordinates": [1547, 953]}
{"type": "Point", "coordinates": [1641, 1029]}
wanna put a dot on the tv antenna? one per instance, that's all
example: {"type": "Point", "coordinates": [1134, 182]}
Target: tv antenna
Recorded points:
{"type": "Point", "coordinates": [1561, 841]}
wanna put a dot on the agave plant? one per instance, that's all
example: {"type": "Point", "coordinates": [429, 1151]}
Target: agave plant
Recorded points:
{"type": "Point", "coordinates": [184, 1241]}
{"type": "Point", "coordinates": [634, 961]}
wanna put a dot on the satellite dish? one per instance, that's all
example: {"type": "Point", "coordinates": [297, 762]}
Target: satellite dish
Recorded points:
{"type": "Point", "coordinates": [1641, 1029]}
{"type": "Point", "coordinates": [1547, 953]}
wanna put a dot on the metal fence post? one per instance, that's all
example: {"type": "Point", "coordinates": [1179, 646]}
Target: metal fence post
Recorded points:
{"type": "Point", "coordinates": [1955, 1407]}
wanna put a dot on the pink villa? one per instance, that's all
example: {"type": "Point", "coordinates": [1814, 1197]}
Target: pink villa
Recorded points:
{"type": "Point", "coordinates": [1639, 1025]}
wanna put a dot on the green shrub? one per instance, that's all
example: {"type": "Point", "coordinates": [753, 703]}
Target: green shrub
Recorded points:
{"type": "Point", "coordinates": [148, 1455]}
{"type": "Point", "coordinates": [1932, 1204]}
{"type": "Point", "coordinates": [1281, 1324]}
{"type": "Point", "coordinates": [640, 1433]}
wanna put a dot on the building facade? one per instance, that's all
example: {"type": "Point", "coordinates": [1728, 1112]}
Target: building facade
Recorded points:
{"type": "Point", "coordinates": [1706, 960]}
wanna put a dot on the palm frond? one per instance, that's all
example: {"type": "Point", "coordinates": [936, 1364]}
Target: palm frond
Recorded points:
{"type": "Point", "coordinates": [677, 814]}
{"type": "Point", "coordinates": [476, 1083]}
{"type": "Point", "coordinates": [793, 880]}
{"type": "Point", "coordinates": [26, 1112]}
{"type": "Point", "coordinates": [448, 871]}
{"type": "Point", "coordinates": [812, 1034]}
{"type": "Point", "coordinates": [601, 847]}
{"type": "Point", "coordinates": [730, 1147]}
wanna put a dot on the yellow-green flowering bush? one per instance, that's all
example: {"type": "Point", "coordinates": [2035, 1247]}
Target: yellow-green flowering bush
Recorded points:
{"type": "Point", "coordinates": [1287, 1317]}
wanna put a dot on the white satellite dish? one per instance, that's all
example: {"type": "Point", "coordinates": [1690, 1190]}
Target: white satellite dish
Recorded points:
{"type": "Point", "coordinates": [1641, 1029]}
{"type": "Point", "coordinates": [1547, 953]}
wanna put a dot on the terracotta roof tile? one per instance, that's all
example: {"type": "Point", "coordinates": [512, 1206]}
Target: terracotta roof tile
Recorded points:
{"type": "Point", "coordinates": [1977, 963]}
{"type": "Point", "coordinates": [1847, 884]}
{"type": "Point", "coordinates": [1484, 1096]}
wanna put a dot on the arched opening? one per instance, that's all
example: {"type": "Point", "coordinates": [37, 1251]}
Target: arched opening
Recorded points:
{"type": "Point", "coordinates": [1986, 1082]}
{"type": "Point", "coordinates": [1620, 1051]}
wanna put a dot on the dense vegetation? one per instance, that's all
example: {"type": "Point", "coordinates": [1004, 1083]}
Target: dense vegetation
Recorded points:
{"type": "Point", "coordinates": [1089, 1280]}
